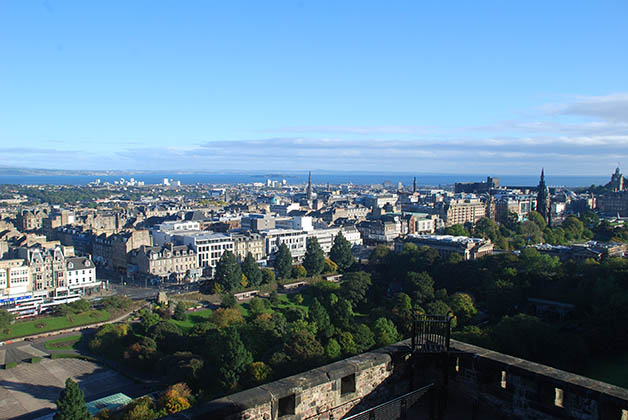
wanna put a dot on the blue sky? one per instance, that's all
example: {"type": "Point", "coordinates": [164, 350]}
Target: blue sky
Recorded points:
{"type": "Point", "coordinates": [487, 87]}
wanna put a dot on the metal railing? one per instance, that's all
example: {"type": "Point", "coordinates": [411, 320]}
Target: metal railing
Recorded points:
{"type": "Point", "coordinates": [432, 333]}
{"type": "Point", "coordinates": [393, 409]}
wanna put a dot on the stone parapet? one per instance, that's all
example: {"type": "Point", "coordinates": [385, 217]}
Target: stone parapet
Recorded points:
{"type": "Point", "coordinates": [527, 390]}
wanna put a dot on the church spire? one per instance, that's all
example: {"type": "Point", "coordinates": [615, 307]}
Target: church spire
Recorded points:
{"type": "Point", "coordinates": [542, 198]}
{"type": "Point", "coordinates": [309, 186]}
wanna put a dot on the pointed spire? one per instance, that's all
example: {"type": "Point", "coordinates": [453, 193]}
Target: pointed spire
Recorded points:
{"type": "Point", "coordinates": [309, 186]}
{"type": "Point", "coordinates": [414, 185]}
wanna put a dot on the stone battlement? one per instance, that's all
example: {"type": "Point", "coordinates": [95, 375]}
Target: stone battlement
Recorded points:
{"type": "Point", "coordinates": [514, 387]}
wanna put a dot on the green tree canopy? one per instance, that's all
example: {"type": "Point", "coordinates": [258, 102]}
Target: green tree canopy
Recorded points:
{"type": "Point", "coordinates": [318, 314]}
{"type": "Point", "coordinates": [341, 252]}
{"type": "Point", "coordinates": [355, 286]}
{"type": "Point", "coordinates": [385, 332]}
{"type": "Point", "coordinates": [419, 286]}
{"type": "Point", "coordinates": [314, 260]}
{"type": "Point", "coordinates": [251, 270]}
{"type": "Point", "coordinates": [179, 312]}
{"type": "Point", "coordinates": [463, 307]}
{"type": "Point", "coordinates": [456, 230]}
{"type": "Point", "coordinates": [283, 261]}
{"type": "Point", "coordinates": [228, 272]}
{"type": "Point", "coordinates": [71, 403]}
{"type": "Point", "coordinates": [232, 358]}
{"type": "Point", "coordinates": [538, 219]}
{"type": "Point", "coordinates": [5, 319]}
{"type": "Point", "coordinates": [486, 228]}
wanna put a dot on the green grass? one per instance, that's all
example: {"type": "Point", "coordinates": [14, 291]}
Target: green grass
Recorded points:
{"type": "Point", "coordinates": [10, 365]}
{"type": "Point", "coordinates": [64, 343]}
{"type": "Point", "coordinates": [35, 359]}
{"type": "Point", "coordinates": [286, 302]}
{"type": "Point", "coordinates": [192, 319]}
{"type": "Point", "coordinates": [46, 324]}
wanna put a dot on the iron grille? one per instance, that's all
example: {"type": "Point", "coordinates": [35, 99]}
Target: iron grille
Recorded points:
{"type": "Point", "coordinates": [432, 333]}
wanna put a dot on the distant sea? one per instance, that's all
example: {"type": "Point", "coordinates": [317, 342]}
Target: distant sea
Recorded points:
{"type": "Point", "coordinates": [300, 178]}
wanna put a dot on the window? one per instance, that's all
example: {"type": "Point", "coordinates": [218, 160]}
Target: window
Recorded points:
{"type": "Point", "coordinates": [558, 397]}
{"type": "Point", "coordinates": [503, 382]}
{"type": "Point", "coordinates": [347, 384]}
{"type": "Point", "coordinates": [287, 405]}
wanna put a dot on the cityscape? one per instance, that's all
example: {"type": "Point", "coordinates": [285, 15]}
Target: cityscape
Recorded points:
{"type": "Point", "coordinates": [300, 210]}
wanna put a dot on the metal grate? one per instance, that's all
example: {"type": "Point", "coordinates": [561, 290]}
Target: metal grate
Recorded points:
{"type": "Point", "coordinates": [393, 409]}
{"type": "Point", "coordinates": [432, 333]}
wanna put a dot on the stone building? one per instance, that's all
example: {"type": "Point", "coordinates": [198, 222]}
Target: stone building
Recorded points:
{"type": "Point", "coordinates": [31, 219]}
{"type": "Point", "coordinates": [460, 211]}
{"type": "Point", "coordinates": [168, 262]}
{"type": "Point", "coordinates": [122, 244]}
{"type": "Point", "coordinates": [617, 181]}
{"type": "Point", "coordinates": [467, 248]}
{"type": "Point", "coordinates": [248, 242]}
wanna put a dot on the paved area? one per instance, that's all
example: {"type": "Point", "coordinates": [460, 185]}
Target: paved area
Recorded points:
{"type": "Point", "coordinates": [30, 390]}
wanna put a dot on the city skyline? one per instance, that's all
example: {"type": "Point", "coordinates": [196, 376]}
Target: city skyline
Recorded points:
{"type": "Point", "coordinates": [483, 88]}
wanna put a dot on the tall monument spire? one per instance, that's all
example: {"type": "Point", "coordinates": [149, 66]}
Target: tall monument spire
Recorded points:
{"type": "Point", "coordinates": [542, 198]}
{"type": "Point", "coordinates": [414, 185]}
{"type": "Point", "coordinates": [309, 186]}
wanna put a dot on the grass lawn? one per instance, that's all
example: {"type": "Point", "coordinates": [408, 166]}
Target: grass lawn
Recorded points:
{"type": "Point", "coordinates": [64, 343]}
{"type": "Point", "coordinates": [192, 319]}
{"type": "Point", "coordinates": [286, 302]}
{"type": "Point", "coordinates": [53, 323]}
{"type": "Point", "coordinates": [613, 370]}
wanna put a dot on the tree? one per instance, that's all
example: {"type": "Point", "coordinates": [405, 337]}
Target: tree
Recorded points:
{"type": "Point", "coordinates": [227, 300]}
{"type": "Point", "coordinates": [385, 332]}
{"type": "Point", "coordinates": [258, 306]}
{"type": "Point", "coordinates": [364, 338]}
{"type": "Point", "coordinates": [355, 287]}
{"type": "Point", "coordinates": [531, 232]}
{"type": "Point", "coordinates": [179, 312]}
{"type": "Point", "coordinates": [268, 276]}
{"type": "Point", "coordinates": [251, 270]}
{"type": "Point", "coordinates": [257, 373]}
{"type": "Point", "coordinates": [303, 348]}
{"type": "Point", "coordinates": [573, 228]}
{"type": "Point", "coordinates": [342, 314]}
{"type": "Point", "coordinates": [314, 260]}
{"type": "Point", "coordinates": [456, 230]}
{"type": "Point", "coordinates": [463, 307]}
{"type": "Point", "coordinates": [333, 350]}
{"type": "Point", "coordinates": [5, 319]}
{"type": "Point", "coordinates": [298, 271]}
{"type": "Point", "coordinates": [341, 252]}
{"type": "Point", "coordinates": [486, 228]}
{"type": "Point", "coordinates": [420, 286]}
{"type": "Point", "coordinates": [71, 403]}
{"type": "Point", "coordinates": [232, 358]}
{"type": "Point", "coordinates": [347, 344]}
{"type": "Point", "coordinates": [224, 317]}
{"type": "Point", "coordinates": [228, 272]}
{"type": "Point", "coordinates": [283, 262]}
{"type": "Point", "coordinates": [330, 267]}
{"type": "Point", "coordinates": [402, 312]}
{"type": "Point", "coordinates": [538, 219]}
{"type": "Point", "coordinates": [318, 314]}
{"type": "Point", "coordinates": [176, 398]}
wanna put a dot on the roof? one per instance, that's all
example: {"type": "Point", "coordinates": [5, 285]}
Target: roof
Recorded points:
{"type": "Point", "coordinates": [111, 402]}
{"type": "Point", "coordinates": [79, 263]}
